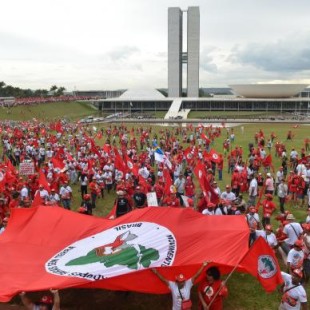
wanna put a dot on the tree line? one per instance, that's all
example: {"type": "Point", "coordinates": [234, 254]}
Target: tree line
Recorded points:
{"type": "Point", "coordinates": [17, 92]}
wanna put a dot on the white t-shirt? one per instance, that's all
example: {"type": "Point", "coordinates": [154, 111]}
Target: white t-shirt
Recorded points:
{"type": "Point", "coordinates": [253, 187]}
{"type": "Point", "coordinates": [295, 258]}
{"type": "Point", "coordinates": [43, 193]}
{"type": "Point", "coordinates": [65, 192]}
{"type": "Point", "coordinates": [208, 212]}
{"type": "Point", "coordinates": [305, 248]}
{"type": "Point", "coordinates": [24, 192]}
{"type": "Point", "coordinates": [185, 291]}
{"type": "Point", "coordinates": [293, 231]}
{"type": "Point", "coordinates": [253, 220]}
{"type": "Point", "coordinates": [228, 196]}
{"type": "Point", "coordinates": [271, 238]}
{"type": "Point", "coordinates": [294, 296]}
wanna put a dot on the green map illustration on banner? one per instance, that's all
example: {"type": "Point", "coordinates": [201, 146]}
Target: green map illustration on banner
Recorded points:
{"type": "Point", "coordinates": [130, 257]}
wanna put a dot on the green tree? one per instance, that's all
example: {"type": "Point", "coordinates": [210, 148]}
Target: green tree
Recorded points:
{"type": "Point", "coordinates": [60, 91]}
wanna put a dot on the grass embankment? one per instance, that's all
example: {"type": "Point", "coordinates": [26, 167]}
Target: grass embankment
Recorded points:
{"type": "Point", "coordinates": [48, 111]}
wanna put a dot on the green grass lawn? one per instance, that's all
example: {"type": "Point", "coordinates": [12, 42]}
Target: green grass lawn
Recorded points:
{"type": "Point", "coordinates": [244, 290]}
{"type": "Point", "coordinates": [48, 111]}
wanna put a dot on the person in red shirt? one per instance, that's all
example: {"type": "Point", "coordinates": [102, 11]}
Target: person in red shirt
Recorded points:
{"type": "Point", "coordinates": [235, 182]}
{"type": "Point", "coordinates": [212, 290]}
{"type": "Point", "coordinates": [94, 191]}
{"type": "Point", "coordinates": [159, 190]}
{"type": "Point", "coordinates": [268, 209]}
{"type": "Point", "coordinates": [189, 187]}
{"type": "Point", "coordinates": [202, 203]}
{"type": "Point", "coordinates": [172, 201]}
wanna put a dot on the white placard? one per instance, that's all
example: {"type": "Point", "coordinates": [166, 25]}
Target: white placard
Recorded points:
{"type": "Point", "coordinates": [185, 201]}
{"type": "Point", "coordinates": [26, 168]}
{"type": "Point", "coordinates": [152, 199]}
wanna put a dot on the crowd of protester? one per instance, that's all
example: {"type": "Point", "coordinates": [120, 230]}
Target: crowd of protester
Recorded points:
{"type": "Point", "coordinates": [133, 162]}
{"type": "Point", "coordinates": [37, 100]}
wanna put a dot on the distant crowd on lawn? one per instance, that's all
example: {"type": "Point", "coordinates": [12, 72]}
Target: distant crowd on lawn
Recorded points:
{"type": "Point", "coordinates": [37, 100]}
{"type": "Point", "coordinates": [174, 167]}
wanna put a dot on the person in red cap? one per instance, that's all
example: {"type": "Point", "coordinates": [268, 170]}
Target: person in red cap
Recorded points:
{"type": "Point", "coordinates": [53, 198]}
{"type": "Point", "coordinates": [201, 202]}
{"type": "Point", "coordinates": [228, 196]}
{"type": "Point", "coordinates": [212, 290]}
{"type": "Point", "coordinates": [268, 209]}
{"type": "Point", "coordinates": [268, 235]}
{"type": "Point", "coordinates": [65, 193]}
{"type": "Point", "coordinates": [210, 209]}
{"type": "Point", "coordinates": [180, 288]}
{"type": "Point", "coordinates": [86, 204]}
{"type": "Point", "coordinates": [189, 187]}
{"type": "Point", "coordinates": [47, 302]}
{"type": "Point", "coordinates": [295, 256]}
{"type": "Point", "coordinates": [94, 191]}
{"type": "Point", "coordinates": [293, 293]}
{"type": "Point", "coordinates": [254, 223]}
{"type": "Point", "coordinates": [292, 231]}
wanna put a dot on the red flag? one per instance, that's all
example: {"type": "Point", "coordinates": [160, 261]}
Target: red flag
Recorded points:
{"type": "Point", "coordinates": [43, 132]}
{"type": "Point", "coordinates": [69, 156]}
{"type": "Point", "coordinates": [168, 182]}
{"type": "Point", "coordinates": [107, 148]}
{"type": "Point", "coordinates": [203, 136]}
{"type": "Point", "coordinates": [119, 164]}
{"type": "Point", "coordinates": [214, 156]}
{"type": "Point", "coordinates": [93, 145]}
{"type": "Point", "coordinates": [92, 252]}
{"type": "Point", "coordinates": [43, 180]}
{"type": "Point", "coordinates": [10, 166]}
{"type": "Point", "coordinates": [8, 177]}
{"type": "Point", "coordinates": [60, 154]}
{"type": "Point", "coordinates": [112, 213]}
{"type": "Point", "coordinates": [200, 174]}
{"type": "Point", "coordinates": [267, 161]}
{"type": "Point", "coordinates": [37, 201]}
{"type": "Point", "coordinates": [99, 135]}
{"type": "Point", "coordinates": [262, 263]}
{"type": "Point", "coordinates": [206, 188]}
{"type": "Point", "coordinates": [57, 163]}
{"type": "Point", "coordinates": [190, 154]}
{"type": "Point", "coordinates": [58, 127]}
{"type": "Point", "coordinates": [131, 166]}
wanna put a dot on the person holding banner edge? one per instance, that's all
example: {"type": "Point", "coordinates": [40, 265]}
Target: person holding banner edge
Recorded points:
{"type": "Point", "coordinates": [181, 288]}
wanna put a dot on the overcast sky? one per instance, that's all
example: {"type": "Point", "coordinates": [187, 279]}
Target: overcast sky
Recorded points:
{"type": "Point", "coordinates": [101, 44]}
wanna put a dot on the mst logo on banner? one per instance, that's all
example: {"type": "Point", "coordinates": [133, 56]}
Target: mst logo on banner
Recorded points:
{"type": "Point", "coordinates": [26, 168]}
{"type": "Point", "coordinates": [116, 251]}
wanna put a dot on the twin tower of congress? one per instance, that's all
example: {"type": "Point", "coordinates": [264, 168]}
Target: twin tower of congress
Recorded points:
{"type": "Point", "coordinates": [177, 57]}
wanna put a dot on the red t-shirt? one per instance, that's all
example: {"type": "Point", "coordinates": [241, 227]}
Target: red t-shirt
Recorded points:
{"type": "Point", "coordinates": [208, 291]}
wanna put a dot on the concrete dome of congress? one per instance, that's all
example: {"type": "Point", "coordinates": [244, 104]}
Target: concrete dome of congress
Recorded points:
{"type": "Point", "coordinates": [267, 90]}
{"type": "Point", "coordinates": [142, 94]}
